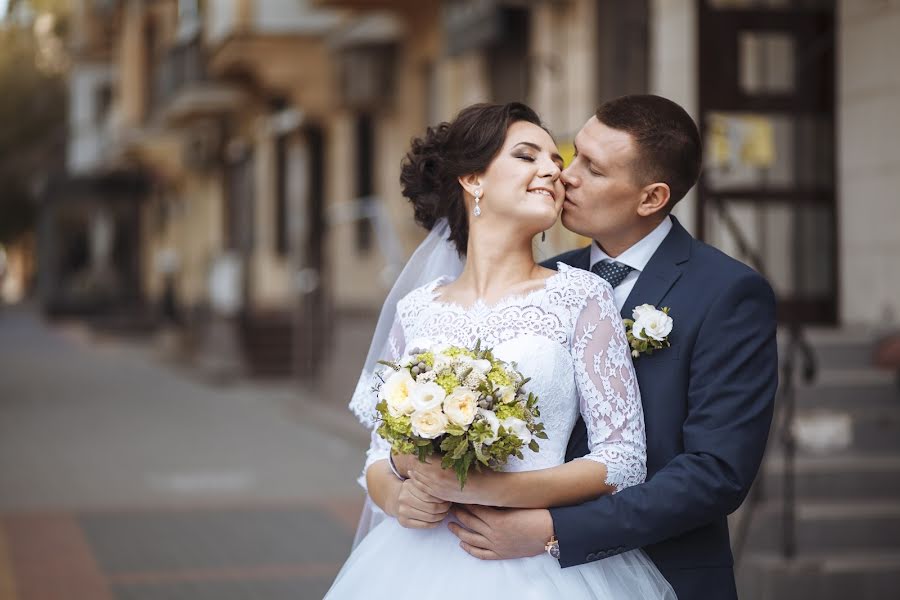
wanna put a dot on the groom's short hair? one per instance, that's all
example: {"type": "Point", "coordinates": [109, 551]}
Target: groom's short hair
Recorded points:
{"type": "Point", "coordinates": [667, 141]}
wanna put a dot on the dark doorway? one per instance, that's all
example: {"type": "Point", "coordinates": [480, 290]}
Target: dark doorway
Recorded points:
{"type": "Point", "coordinates": [313, 320]}
{"type": "Point", "coordinates": [365, 180]}
{"type": "Point", "coordinates": [622, 48]}
{"type": "Point", "coordinates": [767, 117]}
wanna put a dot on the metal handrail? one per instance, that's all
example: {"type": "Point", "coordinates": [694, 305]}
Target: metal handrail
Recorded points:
{"type": "Point", "coordinates": [798, 346]}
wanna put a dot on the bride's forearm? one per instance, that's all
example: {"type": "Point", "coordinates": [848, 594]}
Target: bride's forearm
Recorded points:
{"type": "Point", "coordinates": [571, 483]}
{"type": "Point", "coordinates": [383, 486]}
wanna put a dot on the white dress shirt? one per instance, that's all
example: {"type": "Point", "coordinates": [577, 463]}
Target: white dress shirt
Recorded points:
{"type": "Point", "coordinates": [635, 257]}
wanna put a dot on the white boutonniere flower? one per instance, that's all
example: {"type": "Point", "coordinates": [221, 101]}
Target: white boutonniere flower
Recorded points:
{"type": "Point", "coordinates": [648, 330]}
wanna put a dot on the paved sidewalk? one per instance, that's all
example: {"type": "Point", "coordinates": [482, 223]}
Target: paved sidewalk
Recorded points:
{"type": "Point", "coordinates": [122, 477]}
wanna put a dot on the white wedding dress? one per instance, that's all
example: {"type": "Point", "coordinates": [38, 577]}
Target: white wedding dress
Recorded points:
{"type": "Point", "coordinates": [568, 338]}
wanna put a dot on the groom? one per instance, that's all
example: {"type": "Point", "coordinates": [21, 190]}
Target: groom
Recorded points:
{"type": "Point", "coordinates": [707, 399]}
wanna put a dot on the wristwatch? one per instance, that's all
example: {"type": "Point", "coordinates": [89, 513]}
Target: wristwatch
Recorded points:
{"type": "Point", "coordinates": [552, 547]}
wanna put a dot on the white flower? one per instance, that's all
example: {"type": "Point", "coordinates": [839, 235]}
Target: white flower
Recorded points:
{"type": "Point", "coordinates": [429, 423]}
{"type": "Point", "coordinates": [426, 377]}
{"type": "Point", "coordinates": [481, 365]}
{"type": "Point", "coordinates": [507, 394]}
{"type": "Point", "coordinates": [474, 380]}
{"type": "Point", "coordinates": [518, 428]}
{"type": "Point", "coordinates": [442, 361]}
{"type": "Point", "coordinates": [637, 330]}
{"type": "Point", "coordinates": [427, 396]}
{"type": "Point", "coordinates": [461, 406]}
{"type": "Point", "coordinates": [493, 422]}
{"type": "Point", "coordinates": [397, 392]}
{"type": "Point", "coordinates": [465, 363]}
{"type": "Point", "coordinates": [642, 310]}
{"type": "Point", "coordinates": [655, 325]}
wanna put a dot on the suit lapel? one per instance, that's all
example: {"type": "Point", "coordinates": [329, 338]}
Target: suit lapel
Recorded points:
{"type": "Point", "coordinates": [584, 259]}
{"type": "Point", "coordinates": [581, 258]}
{"type": "Point", "coordinates": [662, 271]}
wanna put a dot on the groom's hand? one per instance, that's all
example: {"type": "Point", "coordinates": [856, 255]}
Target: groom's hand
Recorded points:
{"type": "Point", "coordinates": [495, 534]}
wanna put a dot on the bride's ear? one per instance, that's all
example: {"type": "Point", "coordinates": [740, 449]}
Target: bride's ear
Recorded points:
{"type": "Point", "coordinates": [470, 183]}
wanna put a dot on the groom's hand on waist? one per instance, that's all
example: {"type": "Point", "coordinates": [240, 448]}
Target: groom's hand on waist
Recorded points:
{"type": "Point", "coordinates": [496, 534]}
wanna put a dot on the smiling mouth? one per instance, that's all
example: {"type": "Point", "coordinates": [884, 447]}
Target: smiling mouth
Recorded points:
{"type": "Point", "coordinates": [542, 192]}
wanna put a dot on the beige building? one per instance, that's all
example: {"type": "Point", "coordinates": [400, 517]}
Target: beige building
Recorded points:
{"type": "Point", "coordinates": [793, 98]}
{"type": "Point", "coordinates": [272, 133]}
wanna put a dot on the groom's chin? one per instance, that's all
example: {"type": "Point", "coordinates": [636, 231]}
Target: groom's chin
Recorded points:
{"type": "Point", "coordinates": [568, 219]}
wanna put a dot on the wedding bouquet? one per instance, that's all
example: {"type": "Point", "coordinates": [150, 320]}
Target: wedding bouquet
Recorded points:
{"type": "Point", "coordinates": [463, 402]}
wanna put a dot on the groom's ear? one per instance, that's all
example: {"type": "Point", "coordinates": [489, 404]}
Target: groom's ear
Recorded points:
{"type": "Point", "coordinates": [470, 182]}
{"type": "Point", "coordinates": [654, 198]}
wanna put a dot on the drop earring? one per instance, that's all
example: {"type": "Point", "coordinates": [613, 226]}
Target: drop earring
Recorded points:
{"type": "Point", "coordinates": [543, 236]}
{"type": "Point", "coordinates": [477, 211]}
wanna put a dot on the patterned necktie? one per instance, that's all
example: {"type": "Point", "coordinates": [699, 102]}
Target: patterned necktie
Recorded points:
{"type": "Point", "coordinates": [612, 271]}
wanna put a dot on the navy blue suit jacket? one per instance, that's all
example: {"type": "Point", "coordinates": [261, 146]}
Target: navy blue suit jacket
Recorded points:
{"type": "Point", "coordinates": [708, 403]}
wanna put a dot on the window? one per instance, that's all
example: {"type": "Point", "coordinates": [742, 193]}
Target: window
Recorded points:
{"type": "Point", "coordinates": [282, 244]}
{"type": "Point", "coordinates": [365, 184]}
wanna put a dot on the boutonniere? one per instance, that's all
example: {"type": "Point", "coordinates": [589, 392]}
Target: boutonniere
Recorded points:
{"type": "Point", "coordinates": [649, 329]}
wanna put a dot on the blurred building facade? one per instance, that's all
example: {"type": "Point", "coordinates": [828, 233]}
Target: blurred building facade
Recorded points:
{"type": "Point", "coordinates": [264, 139]}
{"type": "Point", "coordinates": [261, 140]}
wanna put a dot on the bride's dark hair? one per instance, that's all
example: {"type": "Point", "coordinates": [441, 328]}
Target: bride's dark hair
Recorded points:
{"type": "Point", "coordinates": [431, 169]}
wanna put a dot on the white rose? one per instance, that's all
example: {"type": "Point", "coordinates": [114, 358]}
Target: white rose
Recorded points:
{"type": "Point", "coordinates": [656, 325]}
{"type": "Point", "coordinates": [492, 421]}
{"type": "Point", "coordinates": [518, 428]}
{"type": "Point", "coordinates": [642, 310]}
{"type": "Point", "coordinates": [481, 365]}
{"type": "Point", "coordinates": [441, 362]}
{"type": "Point", "coordinates": [426, 396]}
{"type": "Point", "coordinates": [507, 394]}
{"type": "Point", "coordinates": [461, 406]}
{"type": "Point", "coordinates": [637, 330]}
{"type": "Point", "coordinates": [397, 392]}
{"type": "Point", "coordinates": [429, 423]}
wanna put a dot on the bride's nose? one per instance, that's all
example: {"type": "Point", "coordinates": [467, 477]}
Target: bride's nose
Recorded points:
{"type": "Point", "coordinates": [552, 171]}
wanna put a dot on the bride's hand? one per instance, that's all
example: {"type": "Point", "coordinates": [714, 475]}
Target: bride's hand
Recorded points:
{"type": "Point", "coordinates": [415, 508]}
{"type": "Point", "coordinates": [443, 484]}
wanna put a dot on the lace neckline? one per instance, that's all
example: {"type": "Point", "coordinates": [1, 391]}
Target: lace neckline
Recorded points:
{"type": "Point", "coordinates": [480, 306]}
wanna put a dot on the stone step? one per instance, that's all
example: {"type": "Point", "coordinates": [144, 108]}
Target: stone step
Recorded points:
{"type": "Point", "coordinates": [824, 528]}
{"type": "Point", "coordinates": [839, 348]}
{"type": "Point", "coordinates": [853, 477]}
{"type": "Point", "coordinates": [861, 575]}
{"type": "Point", "coordinates": [848, 388]}
{"type": "Point", "coordinates": [841, 432]}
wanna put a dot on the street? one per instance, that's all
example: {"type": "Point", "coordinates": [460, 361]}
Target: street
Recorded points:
{"type": "Point", "coordinates": [125, 477]}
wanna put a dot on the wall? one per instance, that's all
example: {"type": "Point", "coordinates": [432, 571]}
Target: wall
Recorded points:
{"type": "Point", "coordinates": [869, 161]}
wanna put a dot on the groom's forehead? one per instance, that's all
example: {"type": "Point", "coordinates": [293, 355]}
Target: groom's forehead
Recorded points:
{"type": "Point", "coordinates": [600, 141]}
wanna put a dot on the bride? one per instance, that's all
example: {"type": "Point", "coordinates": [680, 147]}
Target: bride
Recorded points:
{"type": "Point", "coordinates": [485, 185]}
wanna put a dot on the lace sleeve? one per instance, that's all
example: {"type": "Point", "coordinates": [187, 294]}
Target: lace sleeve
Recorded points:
{"type": "Point", "coordinates": [610, 400]}
{"type": "Point", "coordinates": [363, 402]}
{"type": "Point", "coordinates": [379, 449]}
